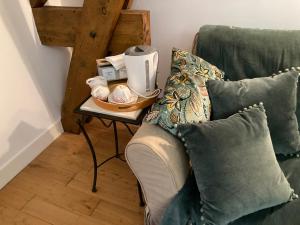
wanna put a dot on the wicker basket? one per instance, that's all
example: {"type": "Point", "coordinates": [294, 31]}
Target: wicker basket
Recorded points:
{"type": "Point", "coordinates": [140, 104]}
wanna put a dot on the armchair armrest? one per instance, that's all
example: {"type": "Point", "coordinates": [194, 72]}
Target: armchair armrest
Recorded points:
{"type": "Point", "coordinates": [159, 162]}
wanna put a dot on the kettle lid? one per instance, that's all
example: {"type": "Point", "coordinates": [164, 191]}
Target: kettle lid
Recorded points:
{"type": "Point", "coordinates": [140, 50]}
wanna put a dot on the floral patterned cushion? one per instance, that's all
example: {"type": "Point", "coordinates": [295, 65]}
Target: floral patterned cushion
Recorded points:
{"type": "Point", "coordinates": [185, 99]}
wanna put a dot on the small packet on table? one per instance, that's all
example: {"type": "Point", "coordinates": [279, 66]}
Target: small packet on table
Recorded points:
{"type": "Point", "coordinates": [112, 67]}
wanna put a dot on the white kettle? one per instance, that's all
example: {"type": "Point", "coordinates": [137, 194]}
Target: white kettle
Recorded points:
{"type": "Point", "coordinates": [141, 63]}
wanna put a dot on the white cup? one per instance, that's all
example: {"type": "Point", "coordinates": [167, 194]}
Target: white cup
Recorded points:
{"type": "Point", "coordinates": [99, 87]}
{"type": "Point", "coordinates": [96, 81]}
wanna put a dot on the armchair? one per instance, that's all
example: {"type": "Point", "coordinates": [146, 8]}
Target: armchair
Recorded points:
{"type": "Point", "coordinates": [156, 157]}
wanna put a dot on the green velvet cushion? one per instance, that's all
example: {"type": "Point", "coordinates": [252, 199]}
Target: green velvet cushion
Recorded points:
{"type": "Point", "coordinates": [278, 94]}
{"type": "Point", "coordinates": [235, 166]}
{"type": "Point", "coordinates": [185, 98]}
{"type": "Point", "coordinates": [248, 53]}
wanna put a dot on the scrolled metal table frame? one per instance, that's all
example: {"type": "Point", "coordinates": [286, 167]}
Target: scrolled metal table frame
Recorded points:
{"type": "Point", "coordinates": [85, 115]}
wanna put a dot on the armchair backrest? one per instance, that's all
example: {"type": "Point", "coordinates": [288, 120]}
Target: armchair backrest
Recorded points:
{"type": "Point", "coordinates": [248, 53]}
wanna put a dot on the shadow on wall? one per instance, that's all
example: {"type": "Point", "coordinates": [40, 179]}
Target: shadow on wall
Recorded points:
{"type": "Point", "coordinates": [23, 133]}
{"type": "Point", "coordinates": [47, 66]}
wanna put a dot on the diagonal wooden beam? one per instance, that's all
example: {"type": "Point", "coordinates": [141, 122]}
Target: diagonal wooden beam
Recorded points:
{"type": "Point", "coordinates": [37, 3]}
{"type": "Point", "coordinates": [57, 26]}
{"type": "Point", "coordinates": [98, 21]}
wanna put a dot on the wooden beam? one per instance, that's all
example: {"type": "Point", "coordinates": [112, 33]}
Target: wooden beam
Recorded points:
{"type": "Point", "coordinates": [57, 26]}
{"type": "Point", "coordinates": [37, 3]}
{"type": "Point", "coordinates": [98, 21]}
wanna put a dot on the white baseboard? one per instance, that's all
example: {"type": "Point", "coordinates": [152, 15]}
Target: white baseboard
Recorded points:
{"type": "Point", "coordinates": [29, 152]}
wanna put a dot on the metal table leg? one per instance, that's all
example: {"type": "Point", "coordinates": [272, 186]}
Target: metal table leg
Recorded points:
{"type": "Point", "coordinates": [91, 147]}
{"type": "Point", "coordinates": [116, 139]}
{"type": "Point", "coordinates": [128, 128]}
{"type": "Point", "coordinates": [81, 123]}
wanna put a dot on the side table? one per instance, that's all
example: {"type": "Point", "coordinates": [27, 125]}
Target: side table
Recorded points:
{"type": "Point", "coordinates": [88, 109]}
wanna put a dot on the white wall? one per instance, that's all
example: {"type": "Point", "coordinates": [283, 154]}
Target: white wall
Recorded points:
{"type": "Point", "coordinates": [32, 80]}
{"type": "Point", "coordinates": [175, 22]}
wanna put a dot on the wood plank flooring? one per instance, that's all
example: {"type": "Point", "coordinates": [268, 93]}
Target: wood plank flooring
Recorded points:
{"type": "Point", "coordinates": [55, 189]}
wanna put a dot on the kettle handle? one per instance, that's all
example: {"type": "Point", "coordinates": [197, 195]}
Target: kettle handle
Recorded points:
{"type": "Point", "coordinates": [147, 69]}
{"type": "Point", "coordinates": [155, 93]}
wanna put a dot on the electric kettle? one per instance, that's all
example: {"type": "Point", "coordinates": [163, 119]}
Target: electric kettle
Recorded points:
{"type": "Point", "coordinates": [141, 63]}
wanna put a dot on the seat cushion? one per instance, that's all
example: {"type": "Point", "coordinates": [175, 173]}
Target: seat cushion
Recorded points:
{"type": "Point", "coordinates": [286, 214]}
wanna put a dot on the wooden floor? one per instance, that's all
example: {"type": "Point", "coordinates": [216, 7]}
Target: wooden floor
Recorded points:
{"type": "Point", "coordinates": [56, 187]}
